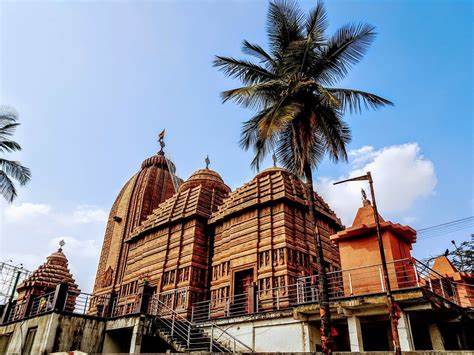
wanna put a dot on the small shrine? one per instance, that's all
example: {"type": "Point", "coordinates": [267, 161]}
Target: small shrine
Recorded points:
{"type": "Point", "coordinates": [360, 253]}
{"type": "Point", "coordinates": [45, 279]}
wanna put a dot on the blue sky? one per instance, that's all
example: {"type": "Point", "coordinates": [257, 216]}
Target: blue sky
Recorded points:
{"type": "Point", "coordinates": [94, 82]}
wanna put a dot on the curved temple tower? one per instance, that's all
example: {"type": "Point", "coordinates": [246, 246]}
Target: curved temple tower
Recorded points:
{"type": "Point", "coordinates": [185, 242]}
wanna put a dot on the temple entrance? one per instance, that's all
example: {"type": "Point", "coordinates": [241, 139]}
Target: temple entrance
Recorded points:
{"type": "Point", "coordinates": [242, 300]}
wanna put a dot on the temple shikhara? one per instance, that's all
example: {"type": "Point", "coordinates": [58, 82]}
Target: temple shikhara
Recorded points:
{"type": "Point", "coordinates": [194, 265]}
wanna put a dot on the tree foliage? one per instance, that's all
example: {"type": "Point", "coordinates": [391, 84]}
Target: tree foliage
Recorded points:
{"type": "Point", "coordinates": [9, 169]}
{"type": "Point", "coordinates": [293, 87]}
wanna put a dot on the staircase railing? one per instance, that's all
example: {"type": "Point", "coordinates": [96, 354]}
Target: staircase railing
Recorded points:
{"type": "Point", "coordinates": [189, 334]}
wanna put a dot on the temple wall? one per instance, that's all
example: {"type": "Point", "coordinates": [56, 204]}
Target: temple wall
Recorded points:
{"type": "Point", "coordinates": [275, 241]}
{"type": "Point", "coordinates": [55, 333]}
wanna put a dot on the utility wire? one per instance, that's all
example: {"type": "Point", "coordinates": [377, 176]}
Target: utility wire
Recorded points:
{"type": "Point", "coordinates": [446, 228]}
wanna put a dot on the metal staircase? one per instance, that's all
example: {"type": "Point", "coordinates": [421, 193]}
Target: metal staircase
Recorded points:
{"type": "Point", "coordinates": [186, 336]}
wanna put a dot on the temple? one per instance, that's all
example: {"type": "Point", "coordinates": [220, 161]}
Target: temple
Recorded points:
{"type": "Point", "coordinates": [192, 265]}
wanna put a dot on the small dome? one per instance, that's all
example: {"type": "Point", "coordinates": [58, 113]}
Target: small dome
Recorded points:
{"type": "Point", "coordinates": [206, 177]}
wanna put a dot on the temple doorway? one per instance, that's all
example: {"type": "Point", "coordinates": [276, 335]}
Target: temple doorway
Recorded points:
{"type": "Point", "coordinates": [242, 300]}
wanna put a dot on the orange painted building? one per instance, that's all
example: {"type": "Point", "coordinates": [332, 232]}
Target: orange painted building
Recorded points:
{"type": "Point", "coordinates": [463, 281]}
{"type": "Point", "coordinates": [360, 255]}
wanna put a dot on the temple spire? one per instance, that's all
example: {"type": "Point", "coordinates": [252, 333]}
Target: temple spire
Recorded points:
{"type": "Point", "coordinates": [161, 140]}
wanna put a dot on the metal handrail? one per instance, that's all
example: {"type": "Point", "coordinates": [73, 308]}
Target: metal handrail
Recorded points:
{"type": "Point", "coordinates": [191, 325]}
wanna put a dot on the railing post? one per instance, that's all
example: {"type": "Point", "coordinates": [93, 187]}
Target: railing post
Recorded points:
{"type": "Point", "coordinates": [60, 297]}
{"type": "Point", "coordinates": [189, 335]}
{"type": "Point", "coordinates": [431, 285]}
{"type": "Point", "coordinates": [209, 311]}
{"type": "Point", "coordinates": [278, 299]}
{"type": "Point", "coordinates": [442, 288]}
{"type": "Point", "coordinates": [172, 324]}
{"type": "Point", "coordinates": [228, 307]}
{"type": "Point", "coordinates": [381, 278]}
{"type": "Point", "coordinates": [211, 338]}
{"type": "Point", "coordinates": [192, 313]}
{"type": "Point", "coordinates": [417, 278]}
{"type": "Point", "coordinates": [85, 304]}
{"type": "Point", "coordinates": [350, 284]}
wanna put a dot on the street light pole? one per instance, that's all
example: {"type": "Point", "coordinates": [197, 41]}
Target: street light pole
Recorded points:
{"type": "Point", "coordinates": [392, 308]}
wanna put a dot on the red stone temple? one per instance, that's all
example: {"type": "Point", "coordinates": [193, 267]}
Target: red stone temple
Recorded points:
{"type": "Point", "coordinates": [198, 240]}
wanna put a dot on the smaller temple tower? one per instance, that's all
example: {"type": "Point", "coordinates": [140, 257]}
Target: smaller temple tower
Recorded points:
{"type": "Point", "coordinates": [360, 256]}
{"type": "Point", "coordinates": [38, 289]}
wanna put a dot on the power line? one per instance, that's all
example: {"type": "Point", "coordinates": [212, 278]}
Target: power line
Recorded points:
{"type": "Point", "coordinates": [446, 228]}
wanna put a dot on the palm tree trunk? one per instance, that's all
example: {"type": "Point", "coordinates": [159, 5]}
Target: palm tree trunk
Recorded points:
{"type": "Point", "coordinates": [324, 311]}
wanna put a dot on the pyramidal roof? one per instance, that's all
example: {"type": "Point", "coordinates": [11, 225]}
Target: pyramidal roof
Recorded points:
{"type": "Point", "coordinates": [365, 215]}
{"type": "Point", "coordinates": [50, 274]}
{"type": "Point", "coordinates": [270, 185]}
{"type": "Point", "coordinates": [364, 225]}
{"type": "Point", "coordinates": [200, 195]}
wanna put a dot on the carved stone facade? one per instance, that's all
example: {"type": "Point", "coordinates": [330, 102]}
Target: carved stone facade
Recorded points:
{"type": "Point", "coordinates": [206, 242]}
{"type": "Point", "coordinates": [153, 184]}
{"type": "Point", "coordinates": [264, 237]}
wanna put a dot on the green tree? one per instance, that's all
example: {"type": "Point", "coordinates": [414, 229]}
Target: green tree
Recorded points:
{"type": "Point", "coordinates": [299, 108]}
{"type": "Point", "coordinates": [9, 169]}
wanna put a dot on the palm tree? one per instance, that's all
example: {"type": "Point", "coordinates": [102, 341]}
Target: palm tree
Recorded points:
{"type": "Point", "coordinates": [299, 108]}
{"type": "Point", "coordinates": [10, 169]}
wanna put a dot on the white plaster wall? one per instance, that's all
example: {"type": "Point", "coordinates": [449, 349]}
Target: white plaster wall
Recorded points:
{"type": "Point", "coordinates": [267, 335]}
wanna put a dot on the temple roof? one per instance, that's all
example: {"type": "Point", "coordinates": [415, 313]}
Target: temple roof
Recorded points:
{"type": "Point", "coordinates": [270, 185]}
{"type": "Point", "coordinates": [200, 195]}
{"type": "Point", "coordinates": [364, 224]}
{"type": "Point", "coordinates": [443, 266]}
{"type": "Point", "coordinates": [53, 272]}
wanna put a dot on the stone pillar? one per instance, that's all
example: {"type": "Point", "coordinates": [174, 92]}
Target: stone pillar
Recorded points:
{"type": "Point", "coordinates": [136, 341]}
{"type": "Point", "coordinates": [436, 337]}
{"type": "Point", "coordinates": [355, 333]}
{"type": "Point", "coordinates": [404, 332]}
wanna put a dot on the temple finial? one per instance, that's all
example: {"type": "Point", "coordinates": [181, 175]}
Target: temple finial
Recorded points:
{"type": "Point", "coordinates": [61, 244]}
{"type": "Point", "coordinates": [275, 160]}
{"type": "Point", "coordinates": [365, 201]}
{"type": "Point", "coordinates": [161, 140]}
{"type": "Point", "coordinates": [207, 161]}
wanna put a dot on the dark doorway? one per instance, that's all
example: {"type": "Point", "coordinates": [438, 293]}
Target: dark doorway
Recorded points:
{"type": "Point", "coordinates": [376, 334]}
{"type": "Point", "coordinates": [242, 300]}
{"type": "Point", "coordinates": [117, 340]}
{"type": "Point", "coordinates": [242, 281]}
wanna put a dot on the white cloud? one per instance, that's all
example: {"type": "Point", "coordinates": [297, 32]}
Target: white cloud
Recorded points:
{"type": "Point", "coordinates": [25, 210]}
{"type": "Point", "coordinates": [88, 248]}
{"type": "Point", "coordinates": [29, 232]}
{"type": "Point", "coordinates": [89, 214]}
{"type": "Point", "coordinates": [401, 176]}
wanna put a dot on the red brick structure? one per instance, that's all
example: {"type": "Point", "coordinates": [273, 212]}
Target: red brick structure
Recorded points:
{"type": "Point", "coordinates": [153, 184]}
{"type": "Point", "coordinates": [264, 236]}
{"type": "Point", "coordinates": [464, 281]}
{"type": "Point", "coordinates": [360, 256]}
{"type": "Point", "coordinates": [171, 248]}
{"type": "Point", "coordinates": [47, 277]}
{"type": "Point", "coordinates": [200, 240]}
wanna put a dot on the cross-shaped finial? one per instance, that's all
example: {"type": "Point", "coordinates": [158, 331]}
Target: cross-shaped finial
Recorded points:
{"type": "Point", "coordinates": [275, 160]}
{"type": "Point", "coordinates": [61, 244]}
{"type": "Point", "coordinates": [207, 161]}
{"type": "Point", "coordinates": [161, 140]}
{"type": "Point", "coordinates": [364, 195]}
